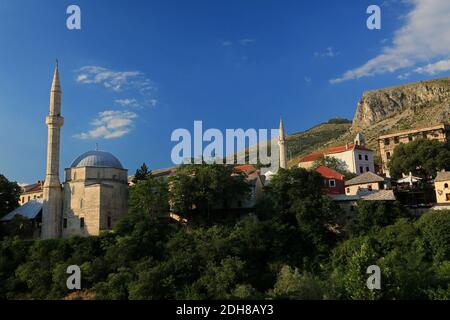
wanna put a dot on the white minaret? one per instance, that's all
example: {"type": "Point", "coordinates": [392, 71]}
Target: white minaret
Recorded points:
{"type": "Point", "coordinates": [282, 146]}
{"type": "Point", "coordinates": [52, 207]}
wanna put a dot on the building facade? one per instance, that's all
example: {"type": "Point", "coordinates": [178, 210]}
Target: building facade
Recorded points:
{"type": "Point", "coordinates": [355, 157]}
{"type": "Point", "coordinates": [334, 182]}
{"type": "Point", "coordinates": [388, 142]}
{"type": "Point", "coordinates": [31, 192]}
{"type": "Point", "coordinates": [442, 188]}
{"type": "Point", "coordinates": [365, 184]}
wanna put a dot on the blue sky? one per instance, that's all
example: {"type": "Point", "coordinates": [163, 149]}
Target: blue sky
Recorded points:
{"type": "Point", "coordinates": [137, 70]}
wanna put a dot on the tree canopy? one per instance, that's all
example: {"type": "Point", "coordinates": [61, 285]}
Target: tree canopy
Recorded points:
{"type": "Point", "coordinates": [421, 157]}
{"type": "Point", "coordinates": [9, 195]}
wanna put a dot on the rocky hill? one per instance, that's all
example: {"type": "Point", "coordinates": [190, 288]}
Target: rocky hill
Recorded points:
{"type": "Point", "coordinates": [408, 106]}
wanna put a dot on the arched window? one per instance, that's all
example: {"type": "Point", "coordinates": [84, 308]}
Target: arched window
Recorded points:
{"type": "Point", "coordinates": [388, 155]}
{"type": "Point", "coordinates": [445, 185]}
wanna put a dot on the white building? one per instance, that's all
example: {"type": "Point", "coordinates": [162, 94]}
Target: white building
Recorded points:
{"type": "Point", "coordinates": [355, 157]}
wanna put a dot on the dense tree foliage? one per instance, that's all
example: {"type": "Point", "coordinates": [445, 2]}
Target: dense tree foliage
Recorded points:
{"type": "Point", "coordinates": [288, 248]}
{"type": "Point", "coordinates": [9, 195]}
{"type": "Point", "coordinates": [421, 157]}
{"type": "Point", "coordinates": [200, 189]}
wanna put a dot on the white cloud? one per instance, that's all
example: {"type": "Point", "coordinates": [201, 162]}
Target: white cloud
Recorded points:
{"type": "Point", "coordinates": [425, 36]}
{"type": "Point", "coordinates": [227, 43]}
{"type": "Point", "coordinates": [307, 79]}
{"type": "Point", "coordinates": [110, 124]}
{"type": "Point", "coordinates": [434, 68]}
{"type": "Point", "coordinates": [328, 53]}
{"type": "Point", "coordinates": [245, 42]}
{"type": "Point", "coordinates": [129, 102]}
{"type": "Point", "coordinates": [114, 80]}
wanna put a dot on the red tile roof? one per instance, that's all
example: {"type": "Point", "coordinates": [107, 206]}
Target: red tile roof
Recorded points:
{"type": "Point", "coordinates": [316, 155]}
{"type": "Point", "coordinates": [245, 167]}
{"type": "Point", "coordinates": [311, 157]}
{"type": "Point", "coordinates": [329, 173]}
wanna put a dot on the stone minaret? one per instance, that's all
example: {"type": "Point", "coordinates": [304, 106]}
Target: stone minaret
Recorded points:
{"type": "Point", "coordinates": [282, 146]}
{"type": "Point", "coordinates": [52, 207]}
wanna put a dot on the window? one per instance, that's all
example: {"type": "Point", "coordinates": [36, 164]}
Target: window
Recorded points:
{"type": "Point", "coordinates": [29, 198]}
{"type": "Point", "coordinates": [361, 170]}
{"type": "Point", "coordinates": [447, 196]}
{"type": "Point", "coordinates": [65, 223]}
{"type": "Point", "coordinates": [396, 140]}
{"type": "Point", "coordinates": [359, 156]}
{"type": "Point", "coordinates": [387, 141]}
{"type": "Point", "coordinates": [109, 222]}
{"type": "Point", "coordinates": [424, 135]}
{"type": "Point", "coordinates": [445, 185]}
{"type": "Point", "coordinates": [367, 169]}
{"type": "Point", "coordinates": [81, 223]}
{"type": "Point", "coordinates": [388, 155]}
{"type": "Point", "coordinates": [81, 203]}
{"type": "Point", "coordinates": [23, 199]}
{"type": "Point", "coordinates": [348, 190]}
{"type": "Point", "coordinates": [369, 187]}
{"type": "Point", "coordinates": [410, 138]}
{"type": "Point", "coordinates": [332, 183]}
{"type": "Point", "coordinates": [34, 197]}
{"type": "Point", "coordinates": [366, 157]}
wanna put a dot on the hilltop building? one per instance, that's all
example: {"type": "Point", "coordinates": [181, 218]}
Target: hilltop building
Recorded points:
{"type": "Point", "coordinates": [356, 157]}
{"type": "Point", "coordinates": [388, 142]}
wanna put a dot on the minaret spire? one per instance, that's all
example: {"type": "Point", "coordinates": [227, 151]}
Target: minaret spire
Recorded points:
{"type": "Point", "coordinates": [52, 206]}
{"type": "Point", "coordinates": [282, 145]}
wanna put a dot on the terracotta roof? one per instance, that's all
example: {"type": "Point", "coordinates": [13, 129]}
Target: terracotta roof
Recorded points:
{"type": "Point", "coordinates": [311, 157]}
{"type": "Point", "coordinates": [316, 155]}
{"type": "Point", "coordinates": [442, 176]}
{"type": "Point", "coordinates": [329, 173]}
{"type": "Point", "coordinates": [366, 177]}
{"type": "Point", "coordinates": [35, 187]}
{"type": "Point", "coordinates": [246, 167]}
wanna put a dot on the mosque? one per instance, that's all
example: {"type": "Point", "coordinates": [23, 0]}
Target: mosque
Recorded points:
{"type": "Point", "coordinates": [94, 195]}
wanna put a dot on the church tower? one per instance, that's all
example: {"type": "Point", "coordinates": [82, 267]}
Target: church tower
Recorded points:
{"type": "Point", "coordinates": [52, 206]}
{"type": "Point", "coordinates": [282, 146]}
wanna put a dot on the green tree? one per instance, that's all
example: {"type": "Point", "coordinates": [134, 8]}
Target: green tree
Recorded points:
{"type": "Point", "coordinates": [375, 214]}
{"type": "Point", "coordinates": [206, 187]}
{"type": "Point", "coordinates": [335, 164]}
{"type": "Point", "coordinates": [142, 173]}
{"type": "Point", "coordinates": [291, 284]}
{"type": "Point", "coordinates": [150, 196]}
{"type": "Point", "coordinates": [9, 195]}
{"type": "Point", "coordinates": [295, 195]}
{"type": "Point", "coordinates": [421, 157]}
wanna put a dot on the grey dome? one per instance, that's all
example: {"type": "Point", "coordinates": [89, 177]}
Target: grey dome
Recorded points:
{"type": "Point", "coordinates": [96, 159]}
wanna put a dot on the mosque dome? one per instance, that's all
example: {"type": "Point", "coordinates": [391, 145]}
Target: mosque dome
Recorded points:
{"type": "Point", "coordinates": [96, 159]}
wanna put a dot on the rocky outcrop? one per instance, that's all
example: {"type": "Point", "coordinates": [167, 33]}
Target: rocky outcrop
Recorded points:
{"type": "Point", "coordinates": [414, 100]}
